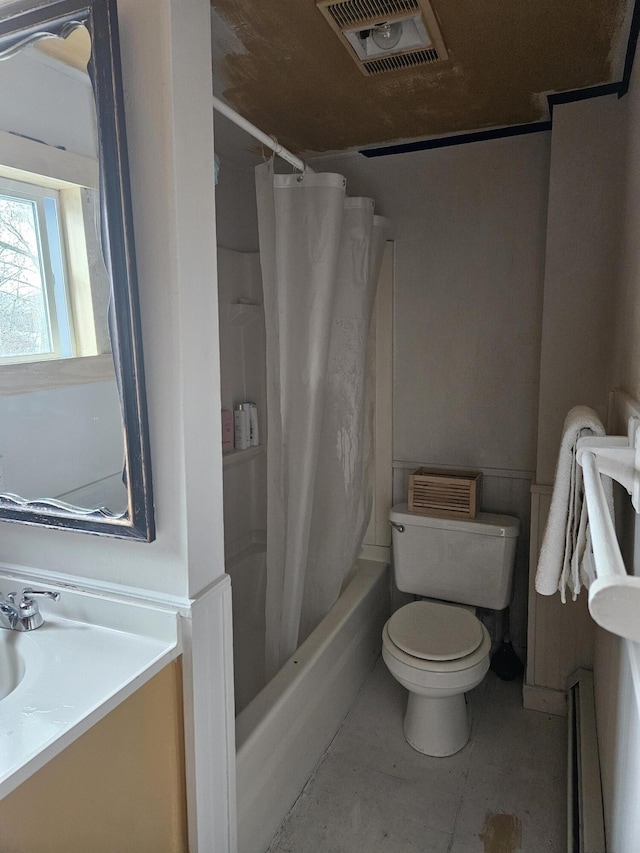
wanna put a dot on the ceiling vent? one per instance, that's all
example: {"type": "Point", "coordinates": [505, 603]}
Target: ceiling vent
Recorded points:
{"type": "Point", "coordinates": [386, 35]}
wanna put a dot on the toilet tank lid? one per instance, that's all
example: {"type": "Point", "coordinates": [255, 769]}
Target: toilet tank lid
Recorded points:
{"type": "Point", "coordinates": [486, 523]}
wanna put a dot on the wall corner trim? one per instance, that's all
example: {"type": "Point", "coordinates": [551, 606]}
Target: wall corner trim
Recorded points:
{"type": "Point", "coordinates": [209, 721]}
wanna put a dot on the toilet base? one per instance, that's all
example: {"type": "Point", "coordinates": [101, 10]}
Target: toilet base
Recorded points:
{"type": "Point", "coordinates": [435, 726]}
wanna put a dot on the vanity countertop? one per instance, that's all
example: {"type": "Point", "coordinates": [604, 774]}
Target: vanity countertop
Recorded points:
{"type": "Point", "coordinates": [76, 670]}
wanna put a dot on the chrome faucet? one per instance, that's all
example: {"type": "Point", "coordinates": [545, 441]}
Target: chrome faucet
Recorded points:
{"type": "Point", "coordinates": [23, 615]}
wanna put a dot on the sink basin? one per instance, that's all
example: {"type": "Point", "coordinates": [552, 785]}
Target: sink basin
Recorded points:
{"type": "Point", "coordinates": [58, 680]}
{"type": "Point", "coordinates": [12, 666]}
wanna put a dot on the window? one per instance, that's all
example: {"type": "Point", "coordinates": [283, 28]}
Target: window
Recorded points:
{"type": "Point", "coordinates": [35, 319]}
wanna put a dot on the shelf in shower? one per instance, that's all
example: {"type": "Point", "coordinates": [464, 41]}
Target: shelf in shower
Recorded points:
{"type": "Point", "coordinates": [238, 457]}
{"type": "Point", "coordinates": [241, 313]}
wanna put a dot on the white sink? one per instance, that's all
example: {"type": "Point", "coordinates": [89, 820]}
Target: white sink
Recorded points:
{"type": "Point", "coordinates": [12, 666]}
{"type": "Point", "coordinates": [58, 680]}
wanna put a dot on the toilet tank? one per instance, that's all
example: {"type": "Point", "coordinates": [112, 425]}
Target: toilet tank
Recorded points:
{"type": "Point", "coordinates": [466, 561]}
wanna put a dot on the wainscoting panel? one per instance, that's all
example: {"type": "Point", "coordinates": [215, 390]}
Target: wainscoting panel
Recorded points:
{"type": "Point", "coordinates": [560, 636]}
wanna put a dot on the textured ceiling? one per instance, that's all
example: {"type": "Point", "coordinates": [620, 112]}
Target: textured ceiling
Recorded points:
{"type": "Point", "coordinates": [279, 64]}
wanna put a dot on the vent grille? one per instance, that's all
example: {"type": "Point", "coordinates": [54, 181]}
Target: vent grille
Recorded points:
{"type": "Point", "coordinates": [351, 13]}
{"type": "Point", "coordinates": [420, 41]}
{"type": "Point", "coordinates": [403, 60]}
{"type": "Point", "coordinates": [446, 493]}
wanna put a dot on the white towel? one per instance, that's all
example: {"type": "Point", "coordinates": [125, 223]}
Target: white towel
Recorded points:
{"type": "Point", "coordinates": [565, 556]}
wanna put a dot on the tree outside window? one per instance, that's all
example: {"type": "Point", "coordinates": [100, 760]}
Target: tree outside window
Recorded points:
{"type": "Point", "coordinates": [33, 316]}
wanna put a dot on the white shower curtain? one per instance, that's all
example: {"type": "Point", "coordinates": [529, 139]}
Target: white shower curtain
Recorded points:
{"type": "Point", "coordinates": [320, 253]}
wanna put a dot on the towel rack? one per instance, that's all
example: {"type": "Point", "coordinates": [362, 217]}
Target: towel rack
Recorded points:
{"type": "Point", "coordinates": [614, 596]}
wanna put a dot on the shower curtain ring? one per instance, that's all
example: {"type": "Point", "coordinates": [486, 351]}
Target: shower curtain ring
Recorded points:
{"type": "Point", "coordinates": [275, 148]}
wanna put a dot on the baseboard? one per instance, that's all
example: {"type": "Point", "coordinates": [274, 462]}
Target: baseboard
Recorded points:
{"type": "Point", "coordinates": [585, 816]}
{"type": "Point", "coordinates": [544, 699]}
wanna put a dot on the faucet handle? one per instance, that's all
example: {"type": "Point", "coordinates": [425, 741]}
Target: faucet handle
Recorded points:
{"type": "Point", "coordinates": [27, 592]}
{"type": "Point", "coordinates": [29, 614]}
{"type": "Point", "coordinates": [27, 607]}
{"type": "Point", "coordinates": [24, 615]}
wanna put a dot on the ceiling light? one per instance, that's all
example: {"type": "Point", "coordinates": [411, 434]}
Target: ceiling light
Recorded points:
{"type": "Point", "coordinates": [387, 36]}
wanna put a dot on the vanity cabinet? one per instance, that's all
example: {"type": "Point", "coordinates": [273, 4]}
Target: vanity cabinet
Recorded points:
{"type": "Point", "coordinates": [119, 787]}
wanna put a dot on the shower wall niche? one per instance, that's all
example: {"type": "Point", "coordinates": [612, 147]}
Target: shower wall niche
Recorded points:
{"type": "Point", "coordinates": [242, 360]}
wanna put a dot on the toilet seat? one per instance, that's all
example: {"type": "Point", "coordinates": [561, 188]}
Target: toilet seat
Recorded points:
{"type": "Point", "coordinates": [432, 631]}
{"type": "Point", "coordinates": [436, 721]}
{"type": "Point", "coordinates": [434, 668]}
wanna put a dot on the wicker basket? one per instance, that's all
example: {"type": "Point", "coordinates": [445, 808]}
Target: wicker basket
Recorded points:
{"type": "Point", "coordinates": [447, 493]}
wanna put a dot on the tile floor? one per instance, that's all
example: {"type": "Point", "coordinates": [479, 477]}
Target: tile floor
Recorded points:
{"type": "Point", "coordinates": [503, 793]}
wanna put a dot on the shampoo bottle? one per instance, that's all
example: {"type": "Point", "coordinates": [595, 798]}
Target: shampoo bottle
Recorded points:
{"type": "Point", "coordinates": [254, 435]}
{"type": "Point", "coordinates": [241, 424]}
{"type": "Point", "coordinates": [227, 431]}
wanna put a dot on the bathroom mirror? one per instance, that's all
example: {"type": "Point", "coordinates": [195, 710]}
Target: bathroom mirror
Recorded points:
{"type": "Point", "coordinates": [74, 444]}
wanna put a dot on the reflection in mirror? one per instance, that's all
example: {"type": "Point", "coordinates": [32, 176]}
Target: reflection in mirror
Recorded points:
{"type": "Point", "coordinates": [73, 435]}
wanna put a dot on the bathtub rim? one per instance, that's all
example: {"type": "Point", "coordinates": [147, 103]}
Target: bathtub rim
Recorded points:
{"type": "Point", "coordinates": [303, 706]}
{"type": "Point", "coordinates": [266, 703]}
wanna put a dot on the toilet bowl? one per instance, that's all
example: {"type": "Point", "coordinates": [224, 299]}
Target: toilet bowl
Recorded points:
{"type": "Point", "coordinates": [438, 649]}
{"type": "Point", "coordinates": [438, 652]}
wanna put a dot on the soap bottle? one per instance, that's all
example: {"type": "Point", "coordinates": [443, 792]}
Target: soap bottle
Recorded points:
{"type": "Point", "coordinates": [254, 435]}
{"type": "Point", "coordinates": [241, 426]}
{"type": "Point", "coordinates": [227, 431]}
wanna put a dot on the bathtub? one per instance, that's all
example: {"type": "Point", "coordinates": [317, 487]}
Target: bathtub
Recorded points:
{"type": "Point", "coordinates": [283, 732]}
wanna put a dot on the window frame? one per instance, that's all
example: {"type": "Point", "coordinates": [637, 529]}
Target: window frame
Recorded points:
{"type": "Point", "coordinates": [54, 271]}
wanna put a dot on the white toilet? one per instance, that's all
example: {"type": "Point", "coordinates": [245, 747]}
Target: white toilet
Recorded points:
{"type": "Point", "coordinates": [439, 650]}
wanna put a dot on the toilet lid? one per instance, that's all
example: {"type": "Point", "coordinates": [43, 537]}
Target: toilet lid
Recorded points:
{"type": "Point", "coordinates": [432, 631]}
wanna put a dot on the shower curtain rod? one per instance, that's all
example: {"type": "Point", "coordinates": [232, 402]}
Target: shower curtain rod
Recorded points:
{"type": "Point", "coordinates": [270, 141]}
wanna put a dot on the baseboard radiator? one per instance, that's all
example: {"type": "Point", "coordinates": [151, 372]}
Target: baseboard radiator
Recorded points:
{"type": "Point", "coordinates": [585, 817]}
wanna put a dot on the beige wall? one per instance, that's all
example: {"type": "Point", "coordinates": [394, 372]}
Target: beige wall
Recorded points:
{"type": "Point", "coordinates": [580, 268]}
{"type": "Point", "coordinates": [469, 227]}
{"type": "Point", "coordinates": [560, 636]}
{"type": "Point", "coordinates": [591, 344]}
{"type": "Point", "coordinates": [118, 789]}
{"type": "Point", "coordinates": [617, 701]}
{"type": "Point", "coordinates": [626, 342]}
{"type": "Point", "coordinates": [585, 182]}
{"type": "Point", "coordinates": [469, 230]}
{"type": "Point", "coordinates": [236, 210]}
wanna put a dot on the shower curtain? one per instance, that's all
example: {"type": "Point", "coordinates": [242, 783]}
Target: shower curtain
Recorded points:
{"type": "Point", "coordinates": [320, 253]}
